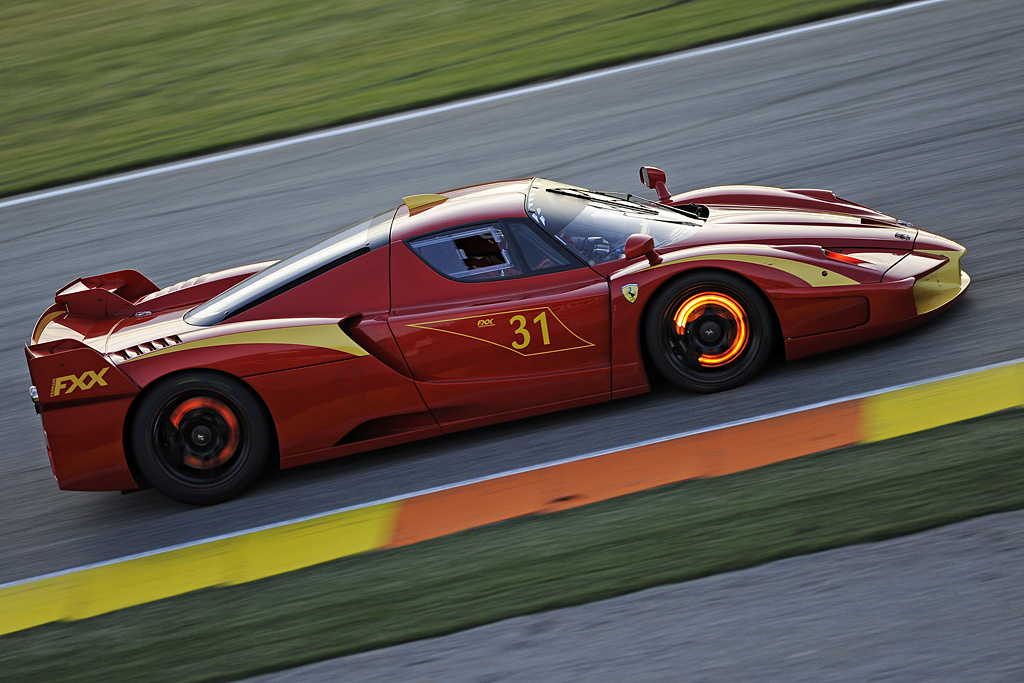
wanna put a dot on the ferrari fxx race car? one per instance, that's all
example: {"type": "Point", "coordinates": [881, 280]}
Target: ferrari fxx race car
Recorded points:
{"type": "Point", "coordinates": [461, 309]}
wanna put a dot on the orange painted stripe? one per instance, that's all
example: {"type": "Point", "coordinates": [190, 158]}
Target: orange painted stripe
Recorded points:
{"type": "Point", "coordinates": [786, 437]}
{"type": "Point", "coordinates": [572, 484]}
{"type": "Point", "coordinates": [447, 512]}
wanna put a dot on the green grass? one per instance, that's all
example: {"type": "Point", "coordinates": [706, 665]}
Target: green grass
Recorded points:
{"type": "Point", "coordinates": [92, 86]}
{"type": "Point", "coordinates": [676, 533]}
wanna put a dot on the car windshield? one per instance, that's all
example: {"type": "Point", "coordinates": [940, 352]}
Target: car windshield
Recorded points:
{"type": "Point", "coordinates": [596, 225]}
{"type": "Point", "coordinates": [346, 245]}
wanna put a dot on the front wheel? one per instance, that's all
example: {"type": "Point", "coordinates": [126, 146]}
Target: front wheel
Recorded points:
{"type": "Point", "coordinates": [709, 332]}
{"type": "Point", "coordinates": [200, 438]}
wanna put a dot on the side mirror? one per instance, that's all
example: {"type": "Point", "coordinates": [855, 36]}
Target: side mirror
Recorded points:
{"type": "Point", "coordinates": [642, 245]}
{"type": "Point", "coordinates": [654, 178]}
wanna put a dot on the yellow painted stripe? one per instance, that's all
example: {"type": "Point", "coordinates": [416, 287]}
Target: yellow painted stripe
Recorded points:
{"type": "Point", "coordinates": [221, 562]}
{"type": "Point", "coordinates": [812, 275]}
{"type": "Point", "coordinates": [915, 409]}
{"type": "Point", "coordinates": [324, 336]}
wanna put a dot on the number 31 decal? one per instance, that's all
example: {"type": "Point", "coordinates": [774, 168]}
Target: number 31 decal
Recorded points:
{"type": "Point", "coordinates": [528, 332]}
{"type": "Point", "coordinates": [519, 320]}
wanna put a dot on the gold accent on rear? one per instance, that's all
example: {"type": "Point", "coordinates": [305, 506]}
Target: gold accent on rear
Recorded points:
{"type": "Point", "coordinates": [43, 322]}
{"type": "Point", "coordinates": [322, 336]}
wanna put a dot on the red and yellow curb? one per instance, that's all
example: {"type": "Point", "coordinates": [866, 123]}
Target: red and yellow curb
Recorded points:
{"type": "Point", "coordinates": [259, 553]}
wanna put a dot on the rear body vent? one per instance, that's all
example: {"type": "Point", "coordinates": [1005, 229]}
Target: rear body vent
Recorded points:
{"type": "Point", "coordinates": [144, 348]}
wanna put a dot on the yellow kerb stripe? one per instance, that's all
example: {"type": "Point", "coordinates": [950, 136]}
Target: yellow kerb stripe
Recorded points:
{"type": "Point", "coordinates": [222, 562]}
{"type": "Point", "coordinates": [915, 409]}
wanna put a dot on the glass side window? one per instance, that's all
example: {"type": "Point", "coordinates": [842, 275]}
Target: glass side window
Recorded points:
{"type": "Point", "coordinates": [492, 251]}
{"type": "Point", "coordinates": [538, 252]}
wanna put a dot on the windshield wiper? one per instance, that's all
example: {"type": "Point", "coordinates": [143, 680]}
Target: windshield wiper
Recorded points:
{"type": "Point", "coordinates": [698, 211]}
{"type": "Point", "coordinates": [633, 202]}
{"type": "Point", "coordinates": [603, 199]}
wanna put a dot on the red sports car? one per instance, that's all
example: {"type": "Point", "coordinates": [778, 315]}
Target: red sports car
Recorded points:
{"type": "Point", "coordinates": [456, 310]}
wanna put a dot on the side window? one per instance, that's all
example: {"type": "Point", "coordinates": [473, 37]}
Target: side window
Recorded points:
{"type": "Point", "coordinates": [493, 251]}
{"type": "Point", "coordinates": [478, 253]}
{"type": "Point", "coordinates": [539, 254]}
{"type": "Point", "coordinates": [482, 251]}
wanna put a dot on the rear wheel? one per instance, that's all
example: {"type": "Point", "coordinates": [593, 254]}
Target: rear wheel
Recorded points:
{"type": "Point", "coordinates": [709, 331]}
{"type": "Point", "coordinates": [200, 438]}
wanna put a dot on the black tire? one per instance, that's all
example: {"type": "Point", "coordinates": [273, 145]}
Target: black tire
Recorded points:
{"type": "Point", "coordinates": [200, 438]}
{"type": "Point", "coordinates": [726, 337]}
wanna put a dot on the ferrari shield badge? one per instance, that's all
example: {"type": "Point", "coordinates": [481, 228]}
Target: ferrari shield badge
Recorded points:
{"type": "Point", "coordinates": [630, 292]}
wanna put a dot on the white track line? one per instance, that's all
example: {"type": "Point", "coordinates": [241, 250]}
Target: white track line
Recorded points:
{"type": "Point", "coordinates": [509, 473]}
{"type": "Point", "coordinates": [465, 104]}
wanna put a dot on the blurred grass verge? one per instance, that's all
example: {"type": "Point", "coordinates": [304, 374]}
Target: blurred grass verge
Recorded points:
{"type": "Point", "coordinates": [90, 87]}
{"type": "Point", "coordinates": [676, 533]}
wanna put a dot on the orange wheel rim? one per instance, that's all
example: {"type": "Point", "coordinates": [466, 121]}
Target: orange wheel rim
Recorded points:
{"type": "Point", "coordinates": [715, 307]}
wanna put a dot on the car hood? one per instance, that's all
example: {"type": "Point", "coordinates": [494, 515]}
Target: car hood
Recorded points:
{"type": "Point", "coordinates": [786, 227]}
{"type": "Point", "coordinates": [773, 215]}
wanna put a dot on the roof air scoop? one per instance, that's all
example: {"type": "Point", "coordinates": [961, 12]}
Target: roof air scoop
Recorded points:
{"type": "Point", "coordinates": [824, 195]}
{"type": "Point", "coordinates": [422, 202]}
{"type": "Point", "coordinates": [654, 178]}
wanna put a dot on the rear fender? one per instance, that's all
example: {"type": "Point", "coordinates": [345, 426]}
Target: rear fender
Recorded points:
{"type": "Point", "coordinates": [133, 408]}
{"type": "Point", "coordinates": [82, 399]}
{"type": "Point", "coordinates": [67, 372]}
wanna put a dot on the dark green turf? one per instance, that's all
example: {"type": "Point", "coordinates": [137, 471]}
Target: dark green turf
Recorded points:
{"type": "Point", "coordinates": [676, 533]}
{"type": "Point", "coordinates": [92, 86]}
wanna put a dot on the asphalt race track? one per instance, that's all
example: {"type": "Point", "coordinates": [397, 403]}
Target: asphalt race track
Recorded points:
{"type": "Point", "coordinates": [918, 114]}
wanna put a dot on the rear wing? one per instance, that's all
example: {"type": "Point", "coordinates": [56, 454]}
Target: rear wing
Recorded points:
{"type": "Point", "coordinates": [104, 296]}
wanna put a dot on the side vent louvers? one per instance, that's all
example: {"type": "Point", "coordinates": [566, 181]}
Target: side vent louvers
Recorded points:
{"type": "Point", "coordinates": [144, 348]}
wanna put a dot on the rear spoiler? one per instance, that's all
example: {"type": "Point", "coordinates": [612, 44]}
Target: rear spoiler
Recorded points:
{"type": "Point", "coordinates": [104, 296]}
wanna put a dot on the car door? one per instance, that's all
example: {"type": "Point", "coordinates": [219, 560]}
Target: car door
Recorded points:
{"type": "Point", "coordinates": [496, 320]}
